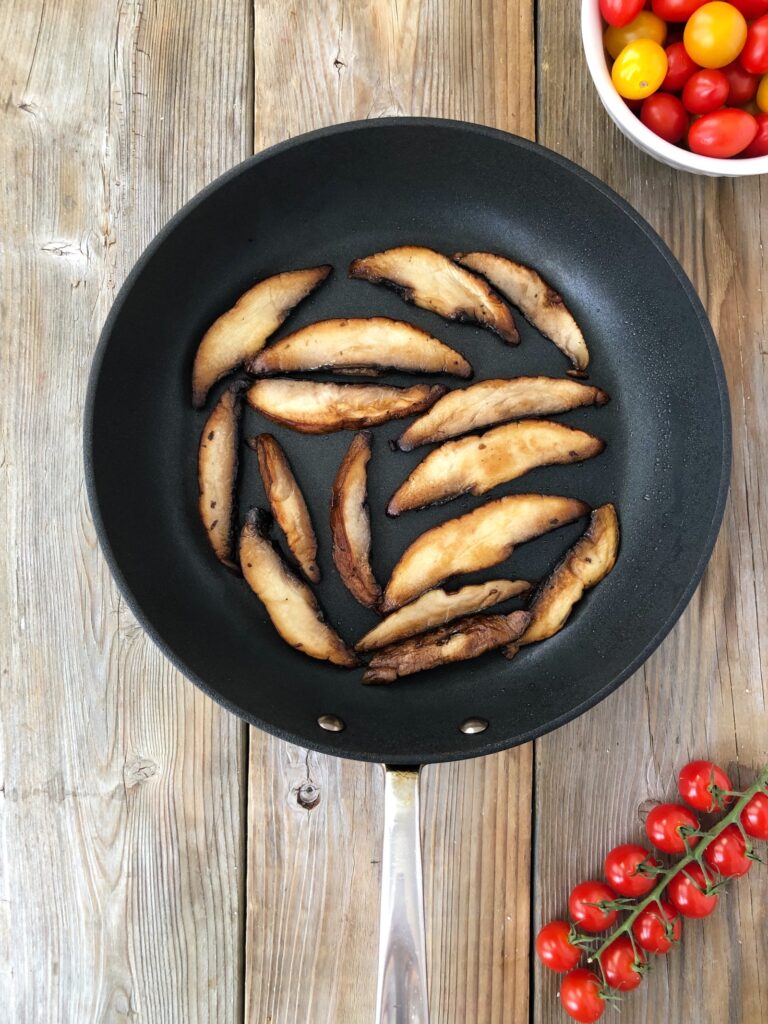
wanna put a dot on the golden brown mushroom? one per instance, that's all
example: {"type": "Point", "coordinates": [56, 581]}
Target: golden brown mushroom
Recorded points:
{"type": "Point", "coordinates": [351, 523]}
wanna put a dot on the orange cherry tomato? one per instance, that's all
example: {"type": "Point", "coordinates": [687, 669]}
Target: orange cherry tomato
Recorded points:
{"type": "Point", "coordinates": [715, 34]}
{"type": "Point", "coordinates": [762, 94]}
{"type": "Point", "coordinates": [645, 26]}
{"type": "Point", "coordinates": [639, 69]}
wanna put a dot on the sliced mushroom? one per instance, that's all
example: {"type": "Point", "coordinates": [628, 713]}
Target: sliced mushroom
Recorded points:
{"type": "Point", "coordinates": [239, 333]}
{"type": "Point", "coordinates": [430, 280]}
{"type": "Point", "coordinates": [496, 401]}
{"type": "Point", "coordinates": [287, 503]}
{"type": "Point", "coordinates": [360, 344]}
{"type": "Point", "coordinates": [459, 641]}
{"type": "Point", "coordinates": [475, 541]}
{"type": "Point", "coordinates": [589, 560]}
{"type": "Point", "coordinates": [477, 464]}
{"type": "Point", "coordinates": [539, 303]}
{"type": "Point", "coordinates": [290, 603]}
{"type": "Point", "coordinates": [437, 607]}
{"type": "Point", "coordinates": [351, 523]}
{"type": "Point", "coordinates": [217, 461]}
{"type": "Point", "coordinates": [315, 408]}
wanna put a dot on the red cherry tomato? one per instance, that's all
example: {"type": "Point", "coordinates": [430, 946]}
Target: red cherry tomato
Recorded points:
{"type": "Point", "coordinates": [623, 868]}
{"type": "Point", "coordinates": [620, 12]}
{"type": "Point", "coordinates": [728, 853]}
{"type": "Point", "coordinates": [754, 817]}
{"type": "Point", "coordinates": [581, 997]}
{"type": "Point", "coordinates": [705, 91]}
{"type": "Point", "coordinates": [742, 85]}
{"type": "Point", "coordinates": [664, 822]}
{"type": "Point", "coordinates": [665, 115]}
{"type": "Point", "coordinates": [687, 893]}
{"type": "Point", "coordinates": [680, 67]}
{"type": "Point", "coordinates": [676, 10]}
{"type": "Point", "coordinates": [657, 927]}
{"type": "Point", "coordinates": [754, 56]}
{"type": "Point", "coordinates": [723, 133]}
{"type": "Point", "coordinates": [751, 8]}
{"type": "Point", "coordinates": [759, 145]}
{"type": "Point", "coordinates": [584, 906]}
{"type": "Point", "coordinates": [699, 781]}
{"type": "Point", "coordinates": [620, 965]}
{"type": "Point", "coordinates": [554, 947]}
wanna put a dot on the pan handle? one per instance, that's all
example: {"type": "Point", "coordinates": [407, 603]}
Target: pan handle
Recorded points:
{"type": "Point", "coordinates": [401, 996]}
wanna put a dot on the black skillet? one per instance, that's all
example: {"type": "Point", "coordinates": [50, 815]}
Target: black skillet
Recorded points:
{"type": "Point", "coordinates": [328, 197]}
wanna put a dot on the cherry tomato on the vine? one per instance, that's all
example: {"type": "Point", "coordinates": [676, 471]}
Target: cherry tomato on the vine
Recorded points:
{"type": "Point", "coordinates": [645, 26]}
{"type": "Point", "coordinates": [620, 964]}
{"type": "Point", "coordinates": [751, 8]}
{"type": "Point", "coordinates": [723, 133]}
{"type": "Point", "coordinates": [741, 89]}
{"type": "Point", "coordinates": [699, 781]}
{"type": "Point", "coordinates": [665, 820]}
{"type": "Point", "coordinates": [657, 927]}
{"type": "Point", "coordinates": [639, 69]}
{"type": "Point", "coordinates": [728, 853]}
{"type": "Point", "coordinates": [687, 893]}
{"type": "Point", "coordinates": [704, 92]}
{"type": "Point", "coordinates": [761, 96]}
{"type": "Point", "coordinates": [754, 817]}
{"type": "Point", "coordinates": [624, 864]}
{"type": "Point", "coordinates": [754, 56]}
{"type": "Point", "coordinates": [676, 10]}
{"type": "Point", "coordinates": [620, 12]}
{"type": "Point", "coordinates": [554, 947]}
{"type": "Point", "coordinates": [581, 996]}
{"type": "Point", "coordinates": [584, 906]}
{"type": "Point", "coordinates": [680, 67]}
{"type": "Point", "coordinates": [715, 34]}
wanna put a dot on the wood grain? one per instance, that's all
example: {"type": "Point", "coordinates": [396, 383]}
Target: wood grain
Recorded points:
{"type": "Point", "coordinates": [121, 787]}
{"type": "Point", "coordinates": [704, 692]}
{"type": "Point", "coordinates": [313, 872]}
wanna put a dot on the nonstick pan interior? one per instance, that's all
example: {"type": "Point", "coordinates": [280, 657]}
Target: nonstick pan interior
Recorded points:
{"type": "Point", "coordinates": [345, 192]}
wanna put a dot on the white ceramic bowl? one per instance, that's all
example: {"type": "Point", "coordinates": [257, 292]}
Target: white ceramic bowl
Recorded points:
{"type": "Point", "coordinates": [633, 127]}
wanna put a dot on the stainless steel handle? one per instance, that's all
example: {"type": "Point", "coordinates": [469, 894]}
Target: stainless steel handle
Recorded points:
{"type": "Point", "coordinates": [401, 996]}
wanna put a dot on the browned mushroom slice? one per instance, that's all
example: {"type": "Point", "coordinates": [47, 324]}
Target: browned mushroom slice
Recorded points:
{"type": "Point", "coordinates": [315, 408]}
{"type": "Point", "coordinates": [290, 603]}
{"type": "Point", "coordinates": [589, 560]}
{"type": "Point", "coordinates": [351, 523]}
{"type": "Point", "coordinates": [459, 641]}
{"type": "Point", "coordinates": [217, 473]}
{"type": "Point", "coordinates": [475, 465]}
{"type": "Point", "coordinates": [496, 401]}
{"type": "Point", "coordinates": [239, 333]}
{"type": "Point", "coordinates": [357, 345]}
{"type": "Point", "coordinates": [437, 607]}
{"type": "Point", "coordinates": [287, 503]}
{"type": "Point", "coordinates": [475, 541]}
{"type": "Point", "coordinates": [539, 303]}
{"type": "Point", "coordinates": [430, 280]}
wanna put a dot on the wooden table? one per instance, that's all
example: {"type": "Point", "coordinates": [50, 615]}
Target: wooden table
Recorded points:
{"type": "Point", "coordinates": [162, 863]}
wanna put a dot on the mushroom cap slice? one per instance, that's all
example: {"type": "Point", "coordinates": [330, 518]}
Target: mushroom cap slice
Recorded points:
{"type": "Point", "coordinates": [477, 464]}
{"type": "Point", "coordinates": [431, 280]}
{"type": "Point", "coordinates": [320, 408]}
{"type": "Point", "coordinates": [239, 333]}
{"type": "Point", "coordinates": [351, 523]}
{"type": "Point", "coordinates": [459, 641]}
{"type": "Point", "coordinates": [496, 401]}
{"type": "Point", "coordinates": [437, 607]}
{"type": "Point", "coordinates": [475, 541]}
{"type": "Point", "coordinates": [360, 344]}
{"type": "Point", "coordinates": [290, 603]}
{"type": "Point", "coordinates": [287, 503]}
{"type": "Point", "coordinates": [538, 301]}
{"type": "Point", "coordinates": [217, 462]}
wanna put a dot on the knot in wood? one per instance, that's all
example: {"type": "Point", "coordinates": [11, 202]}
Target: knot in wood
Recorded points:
{"type": "Point", "coordinates": [308, 795]}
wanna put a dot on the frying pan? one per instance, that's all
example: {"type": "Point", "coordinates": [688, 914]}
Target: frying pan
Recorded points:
{"type": "Point", "coordinates": [328, 197]}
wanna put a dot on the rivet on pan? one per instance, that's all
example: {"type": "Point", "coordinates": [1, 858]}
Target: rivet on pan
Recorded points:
{"type": "Point", "coordinates": [331, 723]}
{"type": "Point", "coordinates": [473, 725]}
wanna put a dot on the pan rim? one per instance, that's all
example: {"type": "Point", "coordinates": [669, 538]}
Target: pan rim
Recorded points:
{"type": "Point", "coordinates": [334, 743]}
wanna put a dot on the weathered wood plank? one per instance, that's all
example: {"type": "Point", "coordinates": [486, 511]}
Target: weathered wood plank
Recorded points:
{"type": "Point", "coordinates": [704, 692]}
{"type": "Point", "coordinates": [121, 787]}
{"type": "Point", "coordinates": [313, 874]}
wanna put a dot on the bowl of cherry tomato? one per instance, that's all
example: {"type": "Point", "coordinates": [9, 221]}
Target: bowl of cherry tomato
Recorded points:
{"type": "Point", "coordinates": [685, 80]}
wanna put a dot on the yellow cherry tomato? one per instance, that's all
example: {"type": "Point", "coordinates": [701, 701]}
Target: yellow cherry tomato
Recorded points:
{"type": "Point", "coordinates": [645, 26]}
{"type": "Point", "coordinates": [715, 34]}
{"type": "Point", "coordinates": [762, 94]}
{"type": "Point", "coordinates": [639, 69]}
